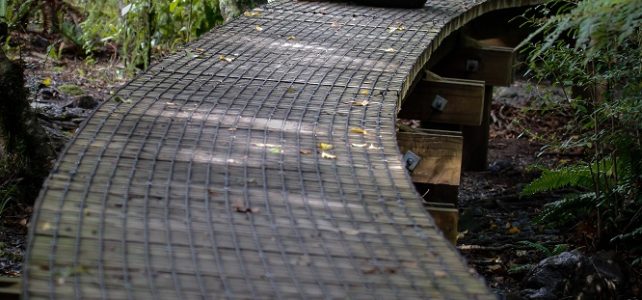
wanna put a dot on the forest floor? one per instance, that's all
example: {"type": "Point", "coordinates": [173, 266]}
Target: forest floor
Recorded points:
{"type": "Point", "coordinates": [498, 236]}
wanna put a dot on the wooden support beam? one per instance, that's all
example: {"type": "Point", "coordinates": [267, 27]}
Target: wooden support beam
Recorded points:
{"type": "Point", "coordinates": [464, 101]}
{"type": "Point", "coordinates": [488, 60]}
{"type": "Point", "coordinates": [475, 154]}
{"type": "Point", "coordinates": [446, 218]}
{"type": "Point", "coordinates": [440, 152]}
{"type": "Point", "coordinates": [10, 288]}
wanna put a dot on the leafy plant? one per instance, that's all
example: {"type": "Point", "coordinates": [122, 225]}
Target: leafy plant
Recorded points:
{"type": "Point", "coordinates": [592, 50]}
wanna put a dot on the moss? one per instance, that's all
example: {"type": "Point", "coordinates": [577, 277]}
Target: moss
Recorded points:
{"type": "Point", "coordinates": [71, 89]}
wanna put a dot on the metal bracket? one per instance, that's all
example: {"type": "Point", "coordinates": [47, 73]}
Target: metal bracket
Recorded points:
{"type": "Point", "coordinates": [472, 65]}
{"type": "Point", "coordinates": [439, 103]}
{"type": "Point", "coordinates": [411, 160]}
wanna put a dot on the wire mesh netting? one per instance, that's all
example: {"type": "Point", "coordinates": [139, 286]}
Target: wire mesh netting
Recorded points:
{"type": "Point", "coordinates": [203, 177]}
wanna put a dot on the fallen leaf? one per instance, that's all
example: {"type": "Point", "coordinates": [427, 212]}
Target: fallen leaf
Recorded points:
{"type": "Point", "coordinates": [364, 92]}
{"type": "Point", "coordinates": [305, 151]}
{"type": "Point", "coordinates": [290, 90]}
{"type": "Point", "coordinates": [291, 38]}
{"type": "Point", "coordinates": [360, 145]}
{"type": "Point", "coordinates": [358, 130]}
{"type": "Point", "coordinates": [252, 13]}
{"type": "Point", "coordinates": [241, 208]}
{"type": "Point", "coordinates": [324, 146]}
{"type": "Point", "coordinates": [191, 54]}
{"type": "Point", "coordinates": [327, 155]}
{"type": "Point", "coordinates": [121, 100]}
{"type": "Point", "coordinates": [360, 103]}
{"type": "Point", "coordinates": [225, 58]}
{"type": "Point", "coordinates": [350, 231]}
{"type": "Point", "coordinates": [258, 28]}
{"type": "Point", "coordinates": [399, 27]}
{"type": "Point", "coordinates": [440, 274]}
{"type": "Point", "coordinates": [276, 150]}
{"type": "Point", "coordinates": [513, 230]}
{"type": "Point", "coordinates": [46, 226]}
{"type": "Point", "coordinates": [46, 81]}
{"type": "Point", "coordinates": [372, 147]}
{"type": "Point", "coordinates": [389, 50]}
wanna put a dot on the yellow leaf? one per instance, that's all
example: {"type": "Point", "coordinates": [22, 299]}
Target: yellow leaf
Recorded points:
{"type": "Point", "coordinates": [225, 58]}
{"type": "Point", "coordinates": [258, 28]}
{"type": "Point", "coordinates": [47, 81]}
{"type": "Point", "coordinates": [252, 13]}
{"type": "Point", "coordinates": [327, 155]}
{"type": "Point", "coordinates": [360, 145]}
{"type": "Point", "coordinates": [364, 92]}
{"type": "Point", "coordinates": [291, 38]}
{"type": "Point", "coordinates": [360, 103]}
{"type": "Point", "coordinates": [358, 130]}
{"type": "Point", "coordinates": [324, 146]}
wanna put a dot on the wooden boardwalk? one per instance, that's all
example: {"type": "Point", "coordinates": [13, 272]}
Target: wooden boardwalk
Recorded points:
{"type": "Point", "coordinates": [258, 163]}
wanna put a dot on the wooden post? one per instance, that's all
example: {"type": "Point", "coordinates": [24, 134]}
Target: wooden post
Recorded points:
{"type": "Point", "coordinates": [10, 288]}
{"type": "Point", "coordinates": [475, 156]}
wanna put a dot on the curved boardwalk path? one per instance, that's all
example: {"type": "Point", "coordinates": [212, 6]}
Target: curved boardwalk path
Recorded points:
{"type": "Point", "coordinates": [202, 177]}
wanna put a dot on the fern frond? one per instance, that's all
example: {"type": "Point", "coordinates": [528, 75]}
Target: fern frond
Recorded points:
{"type": "Point", "coordinates": [572, 176]}
{"type": "Point", "coordinates": [563, 210]}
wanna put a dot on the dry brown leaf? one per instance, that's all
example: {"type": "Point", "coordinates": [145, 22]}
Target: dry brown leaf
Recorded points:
{"type": "Point", "coordinates": [513, 230]}
{"type": "Point", "coordinates": [305, 151]}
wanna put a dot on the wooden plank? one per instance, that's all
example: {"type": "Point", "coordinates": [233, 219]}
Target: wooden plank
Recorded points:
{"type": "Point", "coordinates": [475, 156]}
{"type": "Point", "coordinates": [477, 61]}
{"type": "Point", "coordinates": [465, 101]}
{"type": "Point", "coordinates": [10, 288]}
{"type": "Point", "coordinates": [446, 218]}
{"type": "Point", "coordinates": [440, 156]}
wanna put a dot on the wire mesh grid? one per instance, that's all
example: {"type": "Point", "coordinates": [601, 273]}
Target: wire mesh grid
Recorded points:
{"type": "Point", "coordinates": [203, 177]}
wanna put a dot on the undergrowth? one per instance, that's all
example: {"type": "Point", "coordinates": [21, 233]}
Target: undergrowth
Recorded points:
{"type": "Point", "coordinates": [592, 49]}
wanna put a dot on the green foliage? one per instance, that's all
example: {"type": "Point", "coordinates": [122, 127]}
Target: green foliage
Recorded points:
{"type": "Point", "coordinates": [138, 29]}
{"type": "Point", "coordinates": [592, 48]}
{"type": "Point", "coordinates": [559, 248]}
{"type": "Point", "coordinates": [142, 28]}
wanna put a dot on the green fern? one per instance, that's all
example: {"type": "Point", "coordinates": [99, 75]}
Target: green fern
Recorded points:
{"type": "Point", "coordinates": [575, 176]}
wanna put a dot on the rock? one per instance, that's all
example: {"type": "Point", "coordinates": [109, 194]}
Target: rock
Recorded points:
{"type": "Point", "coordinates": [574, 276]}
{"type": "Point", "coordinates": [501, 166]}
{"type": "Point", "coordinates": [85, 102]}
